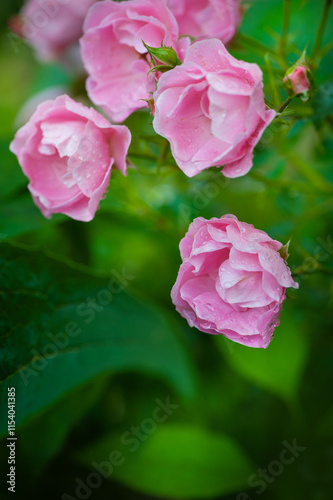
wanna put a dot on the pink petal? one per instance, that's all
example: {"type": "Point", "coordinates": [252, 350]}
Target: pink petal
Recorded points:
{"type": "Point", "coordinates": [272, 262]}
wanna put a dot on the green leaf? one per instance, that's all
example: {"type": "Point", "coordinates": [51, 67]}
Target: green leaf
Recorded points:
{"type": "Point", "coordinates": [43, 437]}
{"type": "Point", "coordinates": [21, 216]}
{"type": "Point", "coordinates": [12, 177]}
{"type": "Point", "coordinates": [176, 461]}
{"type": "Point", "coordinates": [63, 327]}
{"type": "Point", "coordinates": [323, 102]}
{"type": "Point", "coordinates": [278, 368]}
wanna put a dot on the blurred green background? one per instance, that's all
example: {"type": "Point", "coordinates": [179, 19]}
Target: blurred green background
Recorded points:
{"type": "Point", "coordinates": [104, 368]}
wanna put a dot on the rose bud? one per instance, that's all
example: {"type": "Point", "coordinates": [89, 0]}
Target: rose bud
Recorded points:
{"type": "Point", "coordinates": [298, 79]}
{"type": "Point", "coordinates": [67, 151]}
{"type": "Point", "coordinates": [297, 82]}
{"type": "Point", "coordinates": [212, 110]}
{"type": "Point", "coordinates": [207, 18]}
{"type": "Point", "coordinates": [232, 280]}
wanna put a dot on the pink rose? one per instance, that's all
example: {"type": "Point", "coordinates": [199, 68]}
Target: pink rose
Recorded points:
{"type": "Point", "coordinates": [207, 18]}
{"type": "Point", "coordinates": [297, 81]}
{"type": "Point", "coordinates": [51, 26]}
{"type": "Point", "coordinates": [67, 150]}
{"type": "Point", "coordinates": [232, 280]}
{"type": "Point", "coordinates": [115, 57]}
{"type": "Point", "coordinates": [212, 110]}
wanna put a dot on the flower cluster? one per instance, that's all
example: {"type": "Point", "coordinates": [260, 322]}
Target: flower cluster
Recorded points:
{"type": "Point", "coordinates": [209, 105]}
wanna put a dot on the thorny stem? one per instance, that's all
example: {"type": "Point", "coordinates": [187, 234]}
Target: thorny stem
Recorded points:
{"type": "Point", "coordinates": [162, 157]}
{"type": "Point", "coordinates": [272, 81]}
{"type": "Point", "coordinates": [285, 104]}
{"type": "Point", "coordinates": [255, 44]}
{"type": "Point", "coordinates": [285, 28]}
{"type": "Point", "coordinates": [300, 271]}
{"type": "Point", "coordinates": [321, 28]}
{"type": "Point", "coordinates": [305, 169]}
{"type": "Point", "coordinates": [287, 184]}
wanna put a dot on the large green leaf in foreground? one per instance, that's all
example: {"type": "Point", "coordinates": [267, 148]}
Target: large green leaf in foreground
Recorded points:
{"type": "Point", "coordinates": [176, 461]}
{"type": "Point", "coordinates": [62, 327]}
{"type": "Point", "coordinates": [279, 368]}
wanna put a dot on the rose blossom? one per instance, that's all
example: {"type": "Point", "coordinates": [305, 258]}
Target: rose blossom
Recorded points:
{"type": "Point", "coordinates": [51, 26]}
{"type": "Point", "coordinates": [212, 110]}
{"type": "Point", "coordinates": [115, 57]}
{"type": "Point", "coordinates": [207, 18]}
{"type": "Point", "coordinates": [232, 280]}
{"type": "Point", "coordinates": [67, 151]}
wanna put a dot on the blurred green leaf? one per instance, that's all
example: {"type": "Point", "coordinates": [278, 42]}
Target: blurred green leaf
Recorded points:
{"type": "Point", "coordinates": [278, 368]}
{"type": "Point", "coordinates": [15, 82]}
{"type": "Point", "coordinates": [323, 102]}
{"type": "Point", "coordinates": [12, 177]}
{"type": "Point", "coordinates": [63, 327]}
{"type": "Point", "coordinates": [43, 437]}
{"type": "Point", "coordinates": [177, 461]}
{"type": "Point", "coordinates": [20, 216]}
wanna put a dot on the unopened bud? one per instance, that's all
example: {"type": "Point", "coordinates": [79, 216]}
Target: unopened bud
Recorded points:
{"type": "Point", "coordinates": [298, 79]}
{"type": "Point", "coordinates": [165, 55]}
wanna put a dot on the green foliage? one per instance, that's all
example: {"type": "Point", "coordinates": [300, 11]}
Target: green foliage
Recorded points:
{"type": "Point", "coordinates": [44, 435]}
{"type": "Point", "coordinates": [235, 404]}
{"type": "Point", "coordinates": [76, 330]}
{"type": "Point", "coordinates": [279, 368]}
{"type": "Point", "coordinates": [20, 216]}
{"type": "Point", "coordinates": [323, 102]}
{"type": "Point", "coordinates": [178, 461]}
